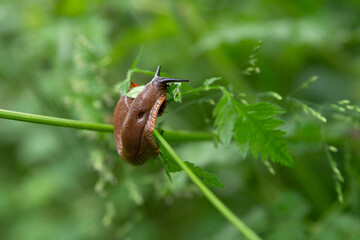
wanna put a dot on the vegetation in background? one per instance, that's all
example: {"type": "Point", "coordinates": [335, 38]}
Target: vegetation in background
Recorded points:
{"type": "Point", "coordinates": [66, 59]}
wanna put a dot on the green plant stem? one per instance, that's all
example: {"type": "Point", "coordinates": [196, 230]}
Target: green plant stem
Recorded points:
{"type": "Point", "coordinates": [180, 136]}
{"type": "Point", "coordinates": [220, 206]}
{"type": "Point", "coordinates": [172, 136]}
{"type": "Point", "coordinates": [27, 117]}
{"type": "Point", "coordinates": [175, 136]}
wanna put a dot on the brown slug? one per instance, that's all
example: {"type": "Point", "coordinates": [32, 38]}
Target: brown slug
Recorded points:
{"type": "Point", "coordinates": [134, 120]}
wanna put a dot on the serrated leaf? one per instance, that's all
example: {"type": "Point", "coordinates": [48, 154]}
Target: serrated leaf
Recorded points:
{"type": "Point", "coordinates": [258, 128]}
{"type": "Point", "coordinates": [208, 179]}
{"type": "Point", "coordinates": [225, 116]}
{"type": "Point", "coordinates": [163, 162]}
{"type": "Point", "coordinates": [263, 110]}
{"type": "Point", "coordinates": [255, 128]}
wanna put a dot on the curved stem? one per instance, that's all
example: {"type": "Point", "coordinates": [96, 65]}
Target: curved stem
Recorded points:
{"type": "Point", "coordinates": [172, 136]}
{"type": "Point", "coordinates": [176, 136]}
{"type": "Point", "coordinates": [220, 206]}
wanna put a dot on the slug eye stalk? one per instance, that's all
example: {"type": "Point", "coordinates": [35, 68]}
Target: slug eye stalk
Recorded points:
{"type": "Point", "coordinates": [166, 80]}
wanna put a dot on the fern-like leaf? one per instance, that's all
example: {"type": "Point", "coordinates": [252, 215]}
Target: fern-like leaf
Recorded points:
{"type": "Point", "coordinates": [225, 113]}
{"type": "Point", "coordinates": [254, 126]}
{"type": "Point", "coordinates": [172, 167]}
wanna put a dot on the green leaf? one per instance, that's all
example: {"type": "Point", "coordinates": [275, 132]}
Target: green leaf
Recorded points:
{"type": "Point", "coordinates": [254, 126]}
{"type": "Point", "coordinates": [172, 167]}
{"type": "Point", "coordinates": [175, 90]}
{"type": "Point", "coordinates": [163, 162]}
{"type": "Point", "coordinates": [225, 116]}
{"type": "Point", "coordinates": [208, 178]}
{"type": "Point", "coordinates": [263, 110]}
{"type": "Point", "coordinates": [185, 87]}
{"type": "Point", "coordinates": [125, 85]}
{"type": "Point", "coordinates": [258, 127]}
{"type": "Point", "coordinates": [134, 91]}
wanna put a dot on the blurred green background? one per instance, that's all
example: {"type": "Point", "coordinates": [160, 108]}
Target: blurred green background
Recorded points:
{"type": "Point", "coordinates": [64, 58]}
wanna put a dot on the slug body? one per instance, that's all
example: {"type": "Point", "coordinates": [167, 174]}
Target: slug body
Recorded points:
{"type": "Point", "coordinates": [134, 121]}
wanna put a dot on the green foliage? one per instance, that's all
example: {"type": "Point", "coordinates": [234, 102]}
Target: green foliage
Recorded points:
{"type": "Point", "coordinates": [172, 167]}
{"type": "Point", "coordinates": [64, 58]}
{"type": "Point", "coordinates": [134, 91]}
{"type": "Point", "coordinates": [226, 115]}
{"type": "Point", "coordinates": [174, 91]}
{"type": "Point", "coordinates": [254, 125]}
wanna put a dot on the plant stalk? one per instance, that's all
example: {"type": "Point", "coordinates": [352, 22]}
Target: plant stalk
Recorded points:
{"type": "Point", "coordinates": [171, 136]}
{"type": "Point", "coordinates": [175, 136]}
{"type": "Point", "coordinates": [62, 122]}
{"type": "Point", "coordinates": [220, 206]}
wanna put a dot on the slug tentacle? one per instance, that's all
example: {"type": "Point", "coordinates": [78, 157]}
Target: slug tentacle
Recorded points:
{"type": "Point", "coordinates": [135, 119]}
